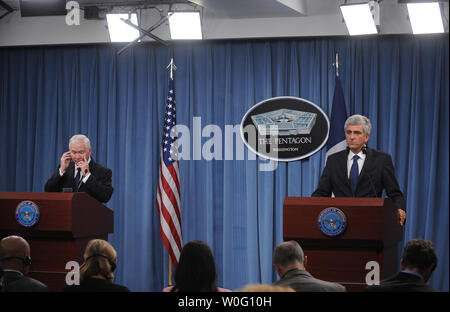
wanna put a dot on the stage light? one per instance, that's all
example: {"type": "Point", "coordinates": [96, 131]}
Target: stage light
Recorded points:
{"type": "Point", "coordinates": [119, 31]}
{"type": "Point", "coordinates": [358, 19]}
{"type": "Point", "coordinates": [185, 25]}
{"type": "Point", "coordinates": [425, 18]}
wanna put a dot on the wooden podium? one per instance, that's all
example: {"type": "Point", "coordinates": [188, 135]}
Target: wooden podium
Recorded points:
{"type": "Point", "coordinates": [372, 234]}
{"type": "Point", "coordinates": [67, 222]}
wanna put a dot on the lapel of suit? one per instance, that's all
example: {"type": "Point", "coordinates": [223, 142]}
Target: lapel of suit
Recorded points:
{"type": "Point", "coordinates": [343, 171]}
{"type": "Point", "coordinates": [92, 166]}
{"type": "Point", "coordinates": [367, 163]}
{"type": "Point", "coordinates": [70, 172]}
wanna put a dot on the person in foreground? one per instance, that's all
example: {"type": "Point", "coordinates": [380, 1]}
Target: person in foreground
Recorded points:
{"type": "Point", "coordinates": [196, 271]}
{"type": "Point", "coordinates": [417, 264]}
{"type": "Point", "coordinates": [16, 261]}
{"type": "Point", "coordinates": [360, 171]}
{"type": "Point", "coordinates": [289, 262]}
{"type": "Point", "coordinates": [78, 172]}
{"type": "Point", "coordinates": [97, 271]}
{"type": "Point", "coordinates": [266, 288]}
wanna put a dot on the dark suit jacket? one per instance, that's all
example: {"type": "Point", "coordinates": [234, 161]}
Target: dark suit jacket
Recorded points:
{"type": "Point", "coordinates": [377, 173]}
{"type": "Point", "coordinates": [402, 282]}
{"type": "Point", "coordinates": [303, 281]}
{"type": "Point", "coordinates": [16, 282]}
{"type": "Point", "coordinates": [95, 285]}
{"type": "Point", "coordinates": [98, 185]}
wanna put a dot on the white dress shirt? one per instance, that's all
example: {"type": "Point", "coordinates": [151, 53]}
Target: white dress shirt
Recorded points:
{"type": "Point", "coordinates": [361, 159]}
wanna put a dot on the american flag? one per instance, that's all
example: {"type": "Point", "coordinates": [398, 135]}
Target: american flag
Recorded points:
{"type": "Point", "coordinates": [168, 195]}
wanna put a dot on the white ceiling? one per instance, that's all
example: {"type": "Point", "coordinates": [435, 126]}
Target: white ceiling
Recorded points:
{"type": "Point", "coordinates": [234, 9]}
{"type": "Point", "coordinates": [222, 19]}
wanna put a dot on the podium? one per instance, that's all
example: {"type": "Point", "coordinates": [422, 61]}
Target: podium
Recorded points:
{"type": "Point", "coordinates": [372, 234]}
{"type": "Point", "coordinates": [67, 222]}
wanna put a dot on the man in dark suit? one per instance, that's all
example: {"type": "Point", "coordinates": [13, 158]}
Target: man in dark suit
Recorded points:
{"type": "Point", "coordinates": [16, 261]}
{"type": "Point", "coordinates": [360, 171]}
{"type": "Point", "coordinates": [80, 173]}
{"type": "Point", "coordinates": [417, 264]}
{"type": "Point", "coordinates": [289, 262]}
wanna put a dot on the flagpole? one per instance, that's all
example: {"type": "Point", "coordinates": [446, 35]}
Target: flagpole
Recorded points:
{"type": "Point", "coordinates": [336, 64]}
{"type": "Point", "coordinates": [336, 139]}
{"type": "Point", "coordinates": [170, 270]}
{"type": "Point", "coordinates": [171, 68]}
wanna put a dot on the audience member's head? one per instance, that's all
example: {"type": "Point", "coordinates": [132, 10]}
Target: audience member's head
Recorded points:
{"type": "Point", "coordinates": [419, 255]}
{"type": "Point", "coordinates": [99, 260]}
{"type": "Point", "coordinates": [287, 256]}
{"type": "Point", "coordinates": [266, 288]}
{"type": "Point", "coordinates": [15, 254]}
{"type": "Point", "coordinates": [196, 269]}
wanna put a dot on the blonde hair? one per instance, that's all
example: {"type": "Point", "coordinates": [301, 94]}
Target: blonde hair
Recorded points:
{"type": "Point", "coordinates": [266, 288]}
{"type": "Point", "coordinates": [98, 256]}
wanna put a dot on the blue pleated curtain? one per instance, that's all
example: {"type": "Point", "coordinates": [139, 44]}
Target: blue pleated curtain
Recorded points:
{"type": "Point", "coordinates": [47, 94]}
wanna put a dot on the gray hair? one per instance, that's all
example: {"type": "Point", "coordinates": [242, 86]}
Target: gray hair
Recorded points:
{"type": "Point", "coordinates": [288, 253]}
{"type": "Point", "coordinates": [77, 138]}
{"type": "Point", "coordinates": [359, 120]}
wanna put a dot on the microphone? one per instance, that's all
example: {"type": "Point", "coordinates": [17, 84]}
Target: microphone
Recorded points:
{"type": "Point", "coordinates": [81, 179]}
{"type": "Point", "coordinates": [364, 149]}
{"type": "Point", "coordinates": [79, 183]}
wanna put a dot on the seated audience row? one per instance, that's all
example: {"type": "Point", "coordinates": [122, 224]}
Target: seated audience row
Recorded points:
{"type": "Point", "coordinates": [196, 271]}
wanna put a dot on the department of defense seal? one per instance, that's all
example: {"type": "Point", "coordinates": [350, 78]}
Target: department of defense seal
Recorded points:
{"type": "Point", "coordinates": [332, 221]}
{"type": "Point", "coordinates": [27, 213]}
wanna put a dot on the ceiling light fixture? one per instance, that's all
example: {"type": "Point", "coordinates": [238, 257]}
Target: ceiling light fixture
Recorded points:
{"type": "Point", "coordinates": [425, 18]}
{"type": "Point", "coordinates": [119, 31]}
{"type": "Point", "coordinates": [358, 18]}
{"type": "Point", "coordinates": [185, 25]}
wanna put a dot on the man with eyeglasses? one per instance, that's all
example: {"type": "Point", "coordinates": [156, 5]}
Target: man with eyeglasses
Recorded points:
{"type": "Point", "coordinates": [78, 172]}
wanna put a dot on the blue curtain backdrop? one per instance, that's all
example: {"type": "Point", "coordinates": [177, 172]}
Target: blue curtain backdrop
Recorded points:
{"type": "Point", "coordinates": [47, 94]}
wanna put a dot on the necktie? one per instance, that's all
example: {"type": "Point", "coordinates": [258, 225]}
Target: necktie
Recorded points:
{"type": "Point", "coordinates": [354, 173]}
{"type": "Point", "coordinates": [77, 178]}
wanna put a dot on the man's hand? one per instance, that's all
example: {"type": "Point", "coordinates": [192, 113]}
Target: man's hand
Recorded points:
{"type": "Point", "coordinates": [65, 160]}
{"type": "Point", "coordinates": [84, 165]}
{"type": "Point", "coordinates": [401, 217]}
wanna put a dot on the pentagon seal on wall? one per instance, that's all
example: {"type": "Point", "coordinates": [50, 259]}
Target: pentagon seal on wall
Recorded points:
{"type": "Point", "coordinates": [285, 128]}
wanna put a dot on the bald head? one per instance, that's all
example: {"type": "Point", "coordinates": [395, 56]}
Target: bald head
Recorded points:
{"type": "Point", "coordinates": [12, 250]}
